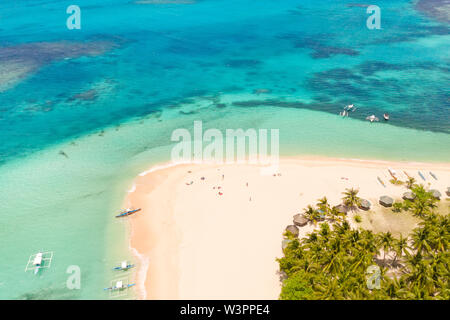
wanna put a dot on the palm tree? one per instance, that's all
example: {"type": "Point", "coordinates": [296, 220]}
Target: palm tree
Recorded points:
{"type": "Point", "coordinates": [311, 214]}
{"type": "Point", "coordinates": [424, 202]}
{"type": "Point", "coordinates": [351, 198]}
{"type": "Point", "coordinates": [400, 246]}
{"type": "Point", "coordinates": [410, 182]}
{"type": "Point", "coordinates": [324, 206]}
{"type": "Point", "coordinates": [386, 241]}
{"type": "Point", "coordinates": [421, 240]}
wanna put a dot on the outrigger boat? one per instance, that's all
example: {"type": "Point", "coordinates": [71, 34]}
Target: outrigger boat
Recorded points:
{"type": "Point", "coordinates": [406, 174]}
{"type": "Point", "coordinates": [422, 176]}
{"type": "Point", "coordinates": [124, 266]}
{"type": "Point", "coordinates": [120, 286]}
{"type": "Point", "coordinates": [393, 173]}
{"type": "Point", "coordinates": [128, 212]}
{"type": "Point", "coordinates": [38, 261]}
{"type": "Point", "coordinates": [381, 181]}
{"type": "Point", "coordinates": [343, 113]}
{"type": "Point", "coordinates": [433, 175]}
{"type": "Point", "coordinates": [372, 118]}
{"type": "Point", "coordinates": [350, 107]}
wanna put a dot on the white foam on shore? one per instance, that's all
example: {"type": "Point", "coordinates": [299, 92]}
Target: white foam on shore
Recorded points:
{"type": "Point", "coordinates": [159, 167]}
{"type": "Point", "coordinates": [133, 189]}
{"type": "Point", "coordinates": [142, 272]}
{"type": "Point", "coordinates": [168, 165]}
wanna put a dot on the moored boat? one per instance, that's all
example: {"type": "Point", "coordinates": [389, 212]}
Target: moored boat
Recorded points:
{"type": "Point", "coordinates": [128, 212]}
{"type": "Point", "coordinates": [124, 266]}
{"type": "Point", "coordinates": [386, 116]}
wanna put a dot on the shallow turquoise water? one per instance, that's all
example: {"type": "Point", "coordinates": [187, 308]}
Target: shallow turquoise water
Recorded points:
{"type": "Point", "coordinates": [168, 65]}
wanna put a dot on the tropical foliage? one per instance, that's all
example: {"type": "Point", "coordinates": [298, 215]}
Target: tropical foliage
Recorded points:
{"type": "Point", "coordinates": [332, 261]}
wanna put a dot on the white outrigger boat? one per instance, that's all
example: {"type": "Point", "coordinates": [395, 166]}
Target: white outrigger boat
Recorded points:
{"type": "Point", "coordinates": [40, 260]}
{"type": "Point", "coordinates": [372, 118]}
{"type": "Point", "coordinates": [124, 266]}
{"type": "Point", "coordinates": [120, 286]}
{"type": "Point", "coordinates": [350, 107]}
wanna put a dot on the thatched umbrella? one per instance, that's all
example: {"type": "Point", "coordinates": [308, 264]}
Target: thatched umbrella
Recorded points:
{"type": "Point", "coordinates": [365, 204]}
{"type": "Point", "coordinates": [386, 201]}
{"type": "Point", "coordinates": [436, 193]}
{"type": "Point", "coordinates": [285, 243]}
{"type": "Point", "coordinates": [408, 196]}
{"type": "Point", "coordinates": [300, 220]}
{"type": "Point", "coordinates": [341, 208]}
{"type": "Point", "coordinates": [292, 229]}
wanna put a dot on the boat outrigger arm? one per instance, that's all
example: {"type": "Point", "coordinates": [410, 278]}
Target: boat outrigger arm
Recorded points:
{"type": "Point", "coordinates": [127, 212]}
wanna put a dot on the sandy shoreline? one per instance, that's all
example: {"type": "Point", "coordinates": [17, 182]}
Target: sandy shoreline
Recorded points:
{"type": "Point", "coordinates": [195, 243]}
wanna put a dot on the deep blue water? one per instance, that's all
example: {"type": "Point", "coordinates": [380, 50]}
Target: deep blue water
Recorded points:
{"type": "Point", "coordinates": [317, 54]}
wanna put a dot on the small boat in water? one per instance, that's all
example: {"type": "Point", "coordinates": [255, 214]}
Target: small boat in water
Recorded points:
{"type": "Point", "coordinates": [124, 266]}
{"type": "Point", "coordinates": [343, 113]}
{"type": "Point", "coordinates": [372, 118]}
{"type": "Point", "coordinates": [38, 261]}
{"type": "Point", "coordinates": [386, 116]}
{"type": "Point", "coordinates": [127, 212]}
{"type": "Point", "coordinates": [120, 286]}
{"type": "Point", "coordinates": [350, 107]}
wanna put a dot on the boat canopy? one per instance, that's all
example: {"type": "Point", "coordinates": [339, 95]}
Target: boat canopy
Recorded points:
{"type": "Point", "coordinates": [38, 259]}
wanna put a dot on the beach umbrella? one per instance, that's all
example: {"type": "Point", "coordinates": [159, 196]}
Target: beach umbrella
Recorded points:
{"type": "Point", "coordinates": [365, 204]}
{"type": "Point", "coordinates": [300, 220]}
{"type": "Point", "coordinates": [436, 193]}
{"type": "Point", "coordinates": [292, 229]}
{"type": "Point", "coordinates": [408, 196]}
{"type": "Point", "coordinates": [386, 201]}
{"type": "Point", "coordinates": [341, 208]}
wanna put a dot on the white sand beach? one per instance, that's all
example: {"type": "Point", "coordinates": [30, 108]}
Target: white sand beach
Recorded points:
{"type": "Point", "coordinates": [214, 231]}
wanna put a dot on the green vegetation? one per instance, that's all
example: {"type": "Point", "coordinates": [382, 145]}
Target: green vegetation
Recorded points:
{"type": "Point", "coordinates": [396, 182]}
{"type": "Point", "coordinates": [332, 262]}
{"type": "Point", "coordinates": [351, 198]}
{"type": "Point", "coordinates": [357, 218]}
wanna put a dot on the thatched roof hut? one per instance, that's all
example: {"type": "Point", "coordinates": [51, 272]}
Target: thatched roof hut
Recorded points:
{"type": "Point", "coordinates": [292, 229]}
{"type": "Point", "coordinates": [386, 201]}
{"type": "Point", "coordinates": [341, 208]}
{"type": "Point", "coordinates": [408, 196]}
{"type": "Point", "coordinates": [436, 193]}
{"type": "Point", "coordinates": [365, 204]}
{"type": "Point", "coordinates": [300, 220]}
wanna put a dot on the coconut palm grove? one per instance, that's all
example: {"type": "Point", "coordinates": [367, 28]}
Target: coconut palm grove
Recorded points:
{"type": "Point", "coordinates": [336, 261]}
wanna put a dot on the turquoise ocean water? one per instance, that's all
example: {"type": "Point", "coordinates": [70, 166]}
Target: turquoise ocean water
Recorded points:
{"type": "Point", "coordinates": [82, 112]}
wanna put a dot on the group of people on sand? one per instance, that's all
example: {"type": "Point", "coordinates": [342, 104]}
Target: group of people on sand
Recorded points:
{"type": "Point", "coordinates": [220, 193]}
